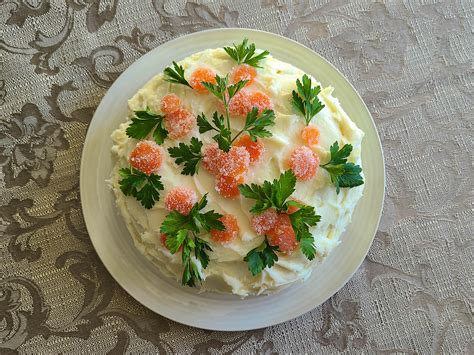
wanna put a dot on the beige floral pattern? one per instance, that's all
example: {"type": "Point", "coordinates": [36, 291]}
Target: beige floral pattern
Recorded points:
{"type": "Point", "coordinates": [412, 63]}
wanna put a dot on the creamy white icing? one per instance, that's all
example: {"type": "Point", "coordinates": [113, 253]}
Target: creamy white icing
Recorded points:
{"type": "Point", "coordinates": [227, 272]}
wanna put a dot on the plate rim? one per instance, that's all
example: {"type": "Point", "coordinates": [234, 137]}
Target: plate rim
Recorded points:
{"type": "Point", "coordinates": [82, 179]}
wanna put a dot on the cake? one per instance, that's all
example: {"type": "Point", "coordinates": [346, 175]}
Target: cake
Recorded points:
{"type": "Point", "coordinates": [236, 172]}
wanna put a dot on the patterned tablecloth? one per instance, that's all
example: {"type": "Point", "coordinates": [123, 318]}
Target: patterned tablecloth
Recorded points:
{"type": "Point", "coordinates": [412, 63]}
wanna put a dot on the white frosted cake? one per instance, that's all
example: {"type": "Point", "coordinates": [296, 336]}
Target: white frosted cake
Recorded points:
{"type": "Point", "coordinates": [260, 154]}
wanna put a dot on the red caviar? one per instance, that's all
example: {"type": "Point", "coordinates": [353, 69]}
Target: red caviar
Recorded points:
{"type": "Point", "coordinates": [146, 157]}
{"type": "Point", "coordinates": [230, 232]}
{"type": "Point", "coordinates": [260, 100]}
{"type": "Point", "coordinates": [264, 221]}
{"type": "Point", "coordinates": [282, 234]}
{"type": "Point", "coordinates": [304, 163]}
{"type": "Point", "coordinates": [170, 103]}
{"type": "Point", "coordinates": [180, 199]}
{"type": "Point", "coordinates": [227, 186]}
{"type": "Point", "coordinates": [179, 123]}
{"type": "Point", "coordinates": [255, 149]}
{"type": "Point", "coordinates": [235, 162]}
{"type": "Point", "coordinates": [212, 157]}
{"type": "Point", "coordinates": [239, 104]}
{"type": "Point", "coordinates": [310, 135]}
{"type": "Point", "coordinates": [201, 75]}
{"type": "Point", "coordinates": [243, 72]}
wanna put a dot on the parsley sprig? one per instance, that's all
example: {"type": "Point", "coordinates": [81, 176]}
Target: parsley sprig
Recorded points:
{"type": "Point", "coordinates": [306, 100]}
{"type": "Point", "coordinates": [276, 195]}
{"type": "Point", "coordinates": [187, 154]}
{"type": "Point", "coordinates": [261, 257]}
{"type": "Point", "coordinates": [256, 125]}
{"type": "Point", "coordinates": [176, 75]}
{"type": "Point", "coordinates": [245, 53]}
{"type": "Point", "coordinates": [145, 188]}
{"type": "Point", "coordinates": [144, 122]}
{"type": "Point", "coordinates": [342, 173]}
{"type": "Point", "coordinates": [183, 231]}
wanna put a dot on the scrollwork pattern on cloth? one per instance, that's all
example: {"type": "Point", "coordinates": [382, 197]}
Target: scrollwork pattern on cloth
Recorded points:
{"type": "Point", "coordinates": [411, 62]}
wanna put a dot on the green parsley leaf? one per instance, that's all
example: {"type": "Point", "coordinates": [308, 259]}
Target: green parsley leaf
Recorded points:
{"type": "Point", "coordinates": [245, 53]}
{"type": "Point", "coordinates": [301, 220]}
{"type": "Point", "coordinates": [176, 75]}
{"type": "Point", "coordinates": [219, 88]}
{"type": "Point", "coordinates": [189, 155]}
{"type": "Point", "coordinates": [256, 124]}
{"type": "Point", "coordinates": [145, 188]}
{"type": "Point", "coordinates": [144, 122]}
{"type": "Point", "coordinates": [306, 100]}
{"type": "Point", "coordinates": [181, 232]}
{"type": "Point", "coordinates": [232, 90]}
{"type": "Point", "coordinates": [342, 173]}
{"type": "Point", "coordinates": [270, 194]}
{"type": "Point", "coordinates": [223, 137]}
{"type": "Point", "coordinates": [261, 257]}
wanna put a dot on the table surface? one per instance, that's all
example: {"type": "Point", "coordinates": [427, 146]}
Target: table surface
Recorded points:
{"type": "Point", "coordinates": [411, 62]}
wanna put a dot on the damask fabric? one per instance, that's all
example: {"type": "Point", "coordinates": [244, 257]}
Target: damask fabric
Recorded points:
{"type": "Point", "coordinates": [412, 63]}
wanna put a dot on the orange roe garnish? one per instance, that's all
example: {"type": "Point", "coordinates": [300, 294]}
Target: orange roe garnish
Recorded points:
{"type": "Point", "coordinates": [304, 163]}
{"type": "Point", "coordinates": [260, 100]}
{"type": "Point", "coordinates": [310, 135]}
{"type": "Point", "coordinates": [179, 123]}
{"type": "Point", "coordinates": [230, 232]}
{"type": "Point", "coordinates": [264, 221]}
{"type": "Point", "coordinates": [146, 157]}
{"type": "Point", "coordinates": [227, 186]}
{"type": "Point", "coordinates": [180, 199]}
{"type": "Point", "coordinates": [239, 104]}
{"type": "Point", "coordinates": [170, 103]}
{"type": "Point", "coordinates": [255, 149]}
{"type": "Point", "coordinates": [212, 157]}
{"type": "Point", "coordinates": [235, 162]}
{"type": "Point", "coordinates": [243, 72]}
{"type": "Point", "coordinates": [282, 234]}
{"type": "Point", "coordinates": [201, 75]}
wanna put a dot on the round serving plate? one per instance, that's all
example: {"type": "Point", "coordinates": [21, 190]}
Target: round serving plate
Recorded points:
{"type": "Point", "coordinates": [141, 279]}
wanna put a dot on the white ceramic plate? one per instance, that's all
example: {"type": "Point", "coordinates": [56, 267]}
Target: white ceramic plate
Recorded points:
{"type": "Point", "coordinates": [141, 279]}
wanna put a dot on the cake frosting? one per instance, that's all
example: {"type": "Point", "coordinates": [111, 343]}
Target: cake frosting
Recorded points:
{"type": "Point", "coordinates": [227, 272]}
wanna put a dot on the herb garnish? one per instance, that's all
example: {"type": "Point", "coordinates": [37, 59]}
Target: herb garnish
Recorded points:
{"type": "Point", "coordinates": [244, 53]}
{"type": "Point", "coordinates": [255, 125]}
{"type": "Point", "coordinates": [342, 173]}
{"type": "Point", "coordinates": [176, 75]}
{"type": "Point", "coordinates": [306, 99]}
{"type": "Point", "coordinates": [183, 230]}
{"type": "Point", "coordinates": [261, 257]}
{"type": "Point", "coordinates": [144, 122]}
{"type": "Point", "coordinates": [276, 195]}
{"type": "Point", "coordinates": [145, 188]}
{"type": "Point", "coordinates": [189, 154]}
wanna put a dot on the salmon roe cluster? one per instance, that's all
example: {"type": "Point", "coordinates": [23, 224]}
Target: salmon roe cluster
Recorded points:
{"type": "Point", "coordinates": [170, 103]}
{"type": "Point", "coordinates": [180, 199]}
{"type": "Point", "coordinates": [146, 157]}
{"type": "Point", "coordinates": [230, 232]}
{"type": "Point", "coordinates": [282, 234]}
{"type": "Point", "coordinates": [304, 163]}
{"type": "Point", "coordinates": [227, 167]}
{"type": "Point", "coordinates": [228, 186]}
{"type": "Point", "coordinates": [179, 123]}
{"type": "Point", "coordinates": [310, 135]}
{"type": "Point", "coordinates": [201, 75]}
{"type": "Point", "coordinates": [264, 221]}
{"type": "Point", "coordinates": [278, 229]}
{"type": "Point", "coordinates": [243, 102]}
{"type": "Point", "coordinates": [243, 72]}
{"type": "Point", "coordinates": [255, 149]}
